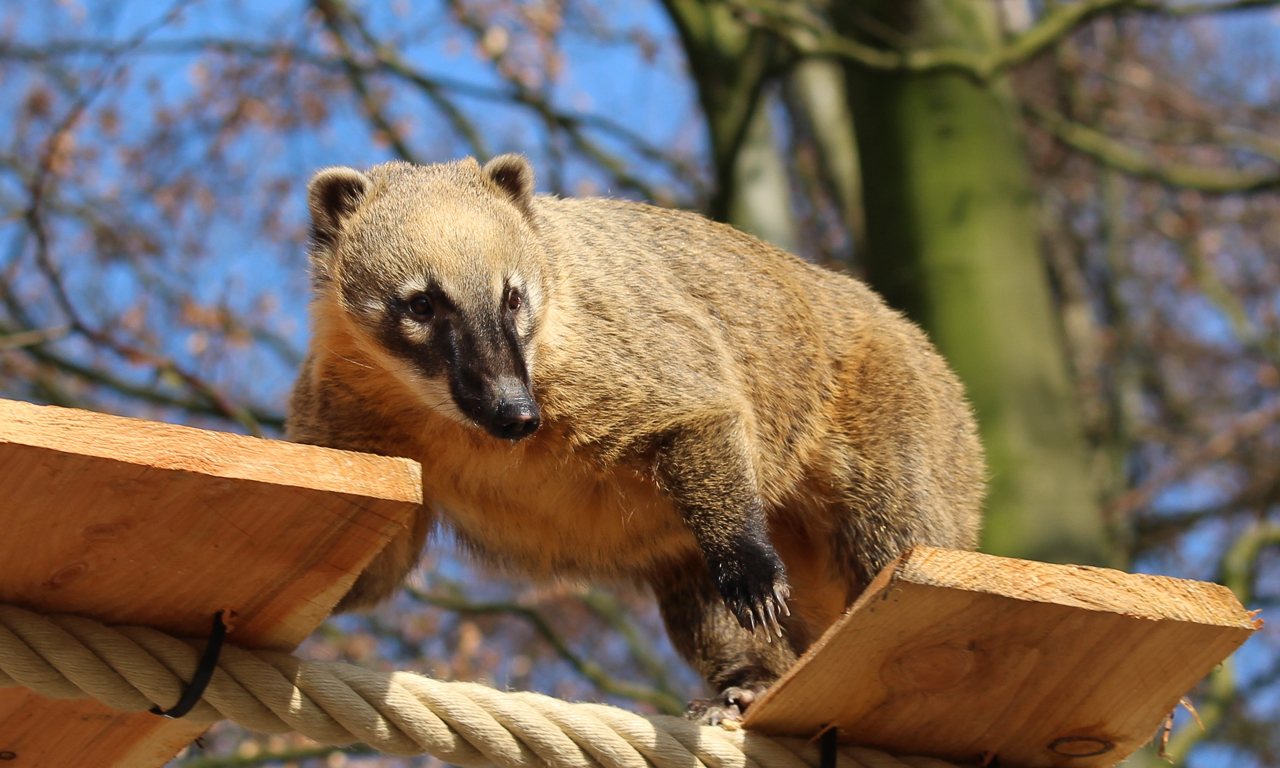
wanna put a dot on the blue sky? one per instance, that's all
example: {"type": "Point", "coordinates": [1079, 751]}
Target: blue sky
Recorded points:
{"type": "Point", "coordinates": [239, 266]}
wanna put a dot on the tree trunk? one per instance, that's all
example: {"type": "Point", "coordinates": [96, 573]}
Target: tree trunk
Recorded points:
{"type": "Point", "coordinates": [730, 62]}
{"type": "Point", "coordinates": [952, 240]}
{"type": "Point", "coordinates": [759, 200]}
{"type": "Point", "coordinates": [819, 87]}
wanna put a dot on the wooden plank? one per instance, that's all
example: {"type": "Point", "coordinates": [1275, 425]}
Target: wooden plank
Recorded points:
{"type": "Point", "coordinates": [962, 656]}
{"type": "Point", "coordinates": [136, 522]}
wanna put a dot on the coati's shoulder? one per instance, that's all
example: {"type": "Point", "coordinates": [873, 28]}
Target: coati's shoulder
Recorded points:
{"type": "Point", "coordinates": [633, 231]}
{"type": "Point", "coordinates": [683, 259]}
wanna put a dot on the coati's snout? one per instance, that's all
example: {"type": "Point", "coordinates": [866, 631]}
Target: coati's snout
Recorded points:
{"type": "Point", "coordinates": [512, 414]}
{"type": "Point", "coordinates": [481, 356]}
{"type": "Point", "coordinates": [491, 387]}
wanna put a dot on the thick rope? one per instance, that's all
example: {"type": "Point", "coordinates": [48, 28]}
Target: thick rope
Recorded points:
{"type": "Point", "coordinates": [134, 668]}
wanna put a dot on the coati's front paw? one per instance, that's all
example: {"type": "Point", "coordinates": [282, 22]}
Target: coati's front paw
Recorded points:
{"type": "Point", "coordinates": [754, 588]}
{"type": "Point", "coordinates": [731, 704]}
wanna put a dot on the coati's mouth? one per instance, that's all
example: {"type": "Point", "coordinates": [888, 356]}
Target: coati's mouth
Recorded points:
{"type": "Point", "coordinates": [435, 395]}
{"type": "Point", "coordinates": [503, 407]}
{"type": "Point", "coordinates": [512, 415]}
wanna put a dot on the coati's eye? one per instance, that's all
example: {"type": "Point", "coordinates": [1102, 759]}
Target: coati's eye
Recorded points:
{"type": "Point", "coordinates": [514, 300]}
{"type": "Point", "coordinates": [421, 307]}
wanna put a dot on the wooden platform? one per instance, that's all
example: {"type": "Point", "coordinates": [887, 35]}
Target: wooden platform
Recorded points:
{"type": "Point", "coordinates": [970, 657]}
{"type": "Point", "coordinates": [958, 655]}
{"type": "Point", "coordinates": [135, 522]}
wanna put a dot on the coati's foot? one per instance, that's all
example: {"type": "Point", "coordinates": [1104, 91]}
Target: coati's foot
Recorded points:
{"type": "Point", "coordinates": [754, 588]}
{"type": "Point", "coordinates": [731, 704]}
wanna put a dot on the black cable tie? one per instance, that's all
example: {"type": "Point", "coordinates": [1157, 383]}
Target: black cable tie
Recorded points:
{"type": "Point", "coordinates": [827, 743]}
{"type": "Point", "coordinates": [204, 673]}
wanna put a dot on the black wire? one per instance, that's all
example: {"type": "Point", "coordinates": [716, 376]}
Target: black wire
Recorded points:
{"type": "Point", "coordinates": [828, 742]}
{"type": "Point", "coordinates": [204, 673]}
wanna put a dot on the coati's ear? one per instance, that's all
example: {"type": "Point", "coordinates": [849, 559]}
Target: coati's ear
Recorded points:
{"type": "Point", "coordinates": [334, 194]}
{"type": "Point", "coordinates": [513, 176]}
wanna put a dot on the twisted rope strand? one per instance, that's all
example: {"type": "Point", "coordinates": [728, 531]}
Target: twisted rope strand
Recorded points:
{"type": "Point", "coordinates": [133, 668]}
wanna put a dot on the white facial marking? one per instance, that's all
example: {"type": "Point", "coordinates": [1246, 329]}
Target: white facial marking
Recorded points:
{"type": "Point", "coordinates": [415, 330]}
{"type": "Point", "coordinates": [414, 286]}
{"type": "Point", "coordinates": [435, 393]}
{"type": "Point", "coordinates": [432, 392]}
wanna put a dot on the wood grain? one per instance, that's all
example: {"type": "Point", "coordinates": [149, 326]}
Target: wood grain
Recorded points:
{"type": "Point", "coordinates": [959, 655]}
{"type": "Point", "coordinates": [137, 522]}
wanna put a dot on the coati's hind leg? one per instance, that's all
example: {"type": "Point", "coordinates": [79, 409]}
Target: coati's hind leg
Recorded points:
{"type": "Point", "coordinates": [737, 664]}
{"type": "Point", "coordinates": [881, 524]}
{"type": "Point", "coordinates": [704, 466]}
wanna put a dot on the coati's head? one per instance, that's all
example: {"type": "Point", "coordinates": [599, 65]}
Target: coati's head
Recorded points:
{"type": "Point", "coordinates": [438, 270]}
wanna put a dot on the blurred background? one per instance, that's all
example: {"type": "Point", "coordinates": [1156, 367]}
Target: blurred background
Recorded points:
{"type": "Point", "coordinates": [1077, 199]}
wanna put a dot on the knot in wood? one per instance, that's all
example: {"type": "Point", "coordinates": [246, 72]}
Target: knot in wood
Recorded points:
{"type": "Point", "coordinates": [1081, 746]}
{"type": "Point", "coordinates": [933, 668]}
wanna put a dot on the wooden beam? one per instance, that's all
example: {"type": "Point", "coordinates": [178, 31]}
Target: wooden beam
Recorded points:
{"type": "Point", "coordinates": [969, 657]}
{"type": "Point", "coordinates": [136, 522]}
{"type": "Point", "coordinates": [952, 654]}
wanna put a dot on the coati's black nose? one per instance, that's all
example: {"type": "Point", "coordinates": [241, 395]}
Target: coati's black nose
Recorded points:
{"type": "Point", "coordinates": [505, 408]}
{"type": "Point", "coordinates": [516, 420]}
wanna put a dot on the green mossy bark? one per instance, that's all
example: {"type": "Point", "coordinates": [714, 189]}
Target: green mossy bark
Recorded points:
{"type": "Point", "coordinates": [952, 240]}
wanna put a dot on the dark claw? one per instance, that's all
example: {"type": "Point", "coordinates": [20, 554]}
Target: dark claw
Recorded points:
{"type": "Point", "coordinates": [731, 704]}
{"type": "Point", "coordinates": [754, 586]}
{"type": "Point", "coordinates": [764, 609]}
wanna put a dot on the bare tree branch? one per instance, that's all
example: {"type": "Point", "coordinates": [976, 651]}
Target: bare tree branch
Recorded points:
{"type": "Point", "coordinates": [29, 338]}
{"type": "Point", "coordinates": [1116, 154]}
{"type": "Point", "coordinates": [610, 610]}
{"type": "Point", "coordinates": [555, 122]}
{"type": "Point", "coordinates": [812, 36]}
{"type": "Point", "coordinates": [38, 189]}
{"type": "Point", "coordinates": [199, 405]}
{"type": "Point", "coordinates": [390, 60]}
{"type": "Point", "coordinates": [384, 59]}
{"type": "Point", "coordinates": [334, 14]}
{"type": "Point", "coordinates": [1222, 444]}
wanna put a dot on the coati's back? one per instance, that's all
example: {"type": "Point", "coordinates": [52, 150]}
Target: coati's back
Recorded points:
{"type": "Point", "coordinates": [843, 389]}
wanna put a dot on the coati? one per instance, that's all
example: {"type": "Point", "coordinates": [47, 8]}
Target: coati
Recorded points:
{"type": "Point", "coordinates": [603, 389]}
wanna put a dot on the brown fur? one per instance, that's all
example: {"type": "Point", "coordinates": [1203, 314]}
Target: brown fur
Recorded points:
{"type": "Point", "coordinates": [705, 400]}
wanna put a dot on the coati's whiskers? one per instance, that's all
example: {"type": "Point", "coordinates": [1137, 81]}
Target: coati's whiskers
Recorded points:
{"type": "Point", "coordinates": [349, 360]}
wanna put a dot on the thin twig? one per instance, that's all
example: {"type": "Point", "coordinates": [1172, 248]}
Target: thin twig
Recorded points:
{"type": "Point", "coordinates": [1220, 445]}
{"type": "Point", "coordinates": [1121, 156]}
{"type": "Point", "coordinates": [814, 37]}
{"type": "Point", "coordinates": [1239, 571]}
